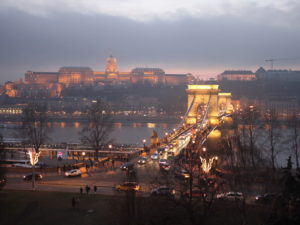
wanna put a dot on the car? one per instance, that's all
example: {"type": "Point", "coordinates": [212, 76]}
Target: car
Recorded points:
{"type": "Point", "coordinates": [161, 150]}
{"type": "Point", "coordinates": [170, 153]}
{"type": "Point", "coordinates": [230, 196]}
{"type": "Point", "coordinates": [29, 177]}
{"type": "Point", "coordinates": [165, 167]}
{"type": "Point", "coordinates": [163, 191]}
{"type": "Point", "coordinates": [155, 156]}
{"type": "Point", "coordinates": [162, 161]}
{"type": "Point", "coordinates": [142, 160]}
{"type": "Point", "coordinates": [127, 166]}
{"type": "Point", "coordinates": [196, 193]}
{"type": "Point", "coordinates": [267, 198]}
{"type": "Point", "coordinates": [128, 186]}
{"type": "Point", "coordinates": [3, 181]}
{"type": "Point", "coordinates": [73, 173]}
{"type": "Point", "coordinates": [182, 173]}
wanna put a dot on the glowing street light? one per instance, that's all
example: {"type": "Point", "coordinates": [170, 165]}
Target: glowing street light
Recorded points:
{"type": "Point", "coordinates": [110, 146]}
{"type": "Point", "coordinates": [34, 157]}
{"type": "Point", "coordinates": [83, 153]}
{"type": "Point", "coordinates": [204, 149]}
{"type": "Point", "coordinates": [207, 164]}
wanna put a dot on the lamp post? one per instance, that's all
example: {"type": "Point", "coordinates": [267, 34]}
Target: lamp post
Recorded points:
{"type": "Point", "coordinates": [216, 158]}
{"type": "Point", "coordinates": [166, 137]}
{"type": "Point", "coordinates": [110, 148]}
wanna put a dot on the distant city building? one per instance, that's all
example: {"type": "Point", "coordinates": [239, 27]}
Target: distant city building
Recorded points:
{"type": "Point", "coordinates": [284, 75]}
{"type": "Point", "coordinates": [85, 75]}
{"type": "Point", "coordinates": [75, 75]}
{"type": "Point", "coordinates": [51, 84]}
{"type": "Point", "coordinates": [41, 77]}
{"type": "Point", "coordinates": [111, 65]}
{"type": "Point", "coordinates": [282, 106]}
{"type": "Point", "coordinates": [243, 75]}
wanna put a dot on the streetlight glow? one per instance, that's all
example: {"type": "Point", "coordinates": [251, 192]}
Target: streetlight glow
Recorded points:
{"type": "Point", "coordinates": [34, 157]}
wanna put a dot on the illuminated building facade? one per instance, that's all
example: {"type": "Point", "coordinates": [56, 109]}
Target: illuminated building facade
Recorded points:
{"type": "Point", "coordinates": [75, 75]}
{"type": "Point", "coordinates": [54, 82]}
{"type": "Point", "coordinates": [243, 75]}
{"type": "Point", "coordinates": [41, 77]}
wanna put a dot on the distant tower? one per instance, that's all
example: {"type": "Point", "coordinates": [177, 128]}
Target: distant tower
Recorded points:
{"type": "Point", "coordinates": [111, 65]}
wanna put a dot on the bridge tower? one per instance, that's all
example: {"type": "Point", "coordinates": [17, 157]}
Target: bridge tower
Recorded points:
{"type": "Point", "coordinates": [225, 103]}
{"type": "Point", "coordinates": [203, 96]}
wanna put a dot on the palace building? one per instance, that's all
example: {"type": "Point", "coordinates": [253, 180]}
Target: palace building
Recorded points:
{"type": "Point", "coordinates": [84, 75]}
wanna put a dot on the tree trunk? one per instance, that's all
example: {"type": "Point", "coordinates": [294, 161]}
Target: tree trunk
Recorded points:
{"type": "Point", "coordinates": [33, 177]}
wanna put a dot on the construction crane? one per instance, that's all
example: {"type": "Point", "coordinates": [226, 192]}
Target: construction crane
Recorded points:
{"type": "Point", "coordinates": [271, 61]}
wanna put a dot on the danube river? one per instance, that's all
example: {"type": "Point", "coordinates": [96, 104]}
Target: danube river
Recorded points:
{"type": "Point", "coordinates": [123, 133]}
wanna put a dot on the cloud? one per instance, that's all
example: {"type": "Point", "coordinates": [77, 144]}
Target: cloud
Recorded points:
{"type": "Point", "coordinates": [272, 12]}
{"type": "Point", "coordinates": [192, 37]}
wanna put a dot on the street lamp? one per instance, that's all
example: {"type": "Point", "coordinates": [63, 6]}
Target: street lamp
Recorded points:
{"type": "Point", "coordinates": [204, 149]}
{"type": "Point", "coordinates": [110, 147]}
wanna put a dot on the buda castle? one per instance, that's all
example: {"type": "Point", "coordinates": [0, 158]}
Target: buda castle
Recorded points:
{"type": "Point", "coordinates": [67, 76]}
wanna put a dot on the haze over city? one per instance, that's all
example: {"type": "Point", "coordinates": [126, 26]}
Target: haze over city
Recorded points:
{"type": "Point", "coordinates": [200, 37]}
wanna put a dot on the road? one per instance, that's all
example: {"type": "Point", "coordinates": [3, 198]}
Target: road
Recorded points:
{"type": "Point", "coordinates": [105, 180]}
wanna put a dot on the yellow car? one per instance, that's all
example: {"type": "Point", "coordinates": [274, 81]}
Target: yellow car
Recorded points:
{"type": "Point", "coordinates": [128, 186]}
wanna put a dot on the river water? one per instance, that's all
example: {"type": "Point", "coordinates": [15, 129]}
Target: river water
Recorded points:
{"type": "Point", "coordinates": [123, 133]}
{"type": "Point", "coordinates": [134, 133]}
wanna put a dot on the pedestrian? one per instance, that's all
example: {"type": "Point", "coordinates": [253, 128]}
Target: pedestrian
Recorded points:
{"type": "Point", "coordinates": [113, 163]}
{"type": "Point", "coordinates": [73, 202]}
{"type": "Point", "coordinates": [64, 167]}
{"type": "Point", "coordinates": [87, 189]}
{"type": "Point", "coordinates": [81, 190]}
{"type": "Point", "coordinates": [95, 188]}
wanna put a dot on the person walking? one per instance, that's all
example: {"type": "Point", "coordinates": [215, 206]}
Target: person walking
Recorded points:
{"type": "Point", "coordinates": [95, 189]}
{"type": "Point", "coordinates": [81, 190]}
{"type": "Point", "coordinates": [113, 163]}
{"type": "Point", "coordinates": [87, 189]}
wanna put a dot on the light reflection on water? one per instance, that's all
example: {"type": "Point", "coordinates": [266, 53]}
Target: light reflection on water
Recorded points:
{"type": "Point", "coordinates": [123, 133]}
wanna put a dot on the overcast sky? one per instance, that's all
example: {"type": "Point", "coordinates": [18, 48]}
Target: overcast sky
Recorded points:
{"type": "Point", "coordinates": [204, 37]}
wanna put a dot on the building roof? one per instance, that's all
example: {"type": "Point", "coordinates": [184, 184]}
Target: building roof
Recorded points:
{"type": "Point", "coordinates": [237, 72]}
{"type": "Point", "coordinates": [178, 75]}
{"type": "Point", "coordinates": [52, 73]}
{"type": "Point", "coordinates": [142, 69]}
{"type": "Point", "coordinates": [75, 68]}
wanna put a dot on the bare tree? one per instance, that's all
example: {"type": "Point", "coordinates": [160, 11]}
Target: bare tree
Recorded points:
{"type": "Point", "coordinates": [271, 122]}
{"type": "Point", "coordinates": [35, 131]}
{"type": "Point", "coordinates": [251, 116]}
{"type": "Point", "coordinates": [294, 122]}
{"type": "Point", "coordinates": [2, 169]}
{"type": "Point", "coordinates": [100, 125]}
